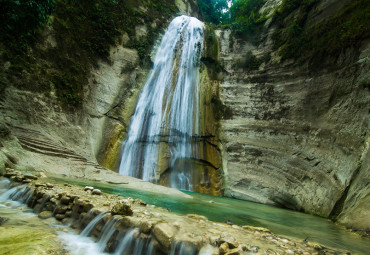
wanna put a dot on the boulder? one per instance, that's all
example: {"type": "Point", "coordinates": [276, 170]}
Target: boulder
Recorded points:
{"type": "Point", "coordinates": [164, 233]}
{"type": "Point", "coordinates": [61, 209]}
{"type": "Point", "coordinates": [129, 222]}
{"type": "Point", "coordinates": [59, 217]}
{"type": "Point", "coordinates": [145, 226]}
{"type": "Point", "coordinates": [45, 215]}
{"type": "Point", "coordinates": [49, 185]}
{"type": "Point", "coordinates": [224, 248]}
{"type": "Point", "coordinates": [122, 208]}
{"type": "Point", "coordinates": [88, 206]}
{"type": "Point", "coordinates": [30, 176]}
{"type": "Point", "coordinates": [232, 243]}
{"type": "Point", "coordinates": [96, 192]}
{"type": "Point", "coordinates": [65, 200]}
{"type": "Point", "coordinates": [88, 188]}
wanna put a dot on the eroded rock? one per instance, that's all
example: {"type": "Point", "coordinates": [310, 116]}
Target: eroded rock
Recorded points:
{"type": "Point", "coordinates": [46, 215]}
{"type": "Point", "coordinates": [122, 208]}
{"type": "Point", "coordinates": [164, 233]}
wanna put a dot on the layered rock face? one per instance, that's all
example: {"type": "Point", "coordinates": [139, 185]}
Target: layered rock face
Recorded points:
{"type": "Point", "coordinates": [297, 136]}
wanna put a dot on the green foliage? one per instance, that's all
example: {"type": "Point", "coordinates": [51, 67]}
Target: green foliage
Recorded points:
{"type": "Point", "coordinates": [214, 11]}
{"type": "Point", "coordinates": [84, 30]}
{"type": "Point", "coordinates": [245, 16]}
{"type": "Point", "coordinates": [21, 19]}
{"type": "Point", "coordinates": [327, 38]}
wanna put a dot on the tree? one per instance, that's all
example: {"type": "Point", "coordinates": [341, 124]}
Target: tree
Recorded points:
{"type": "Point", "coordinates": [215, 11]}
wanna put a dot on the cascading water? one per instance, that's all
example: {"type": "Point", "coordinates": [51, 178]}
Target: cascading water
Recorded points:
{"type": "Point", "coordinates": [167, 111]}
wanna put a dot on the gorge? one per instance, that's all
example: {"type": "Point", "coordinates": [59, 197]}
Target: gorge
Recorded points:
{"type": "Point", "coordinates": [277, 116]}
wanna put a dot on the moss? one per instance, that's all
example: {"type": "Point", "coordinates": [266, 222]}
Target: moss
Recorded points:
{"type": "Point", "coordinates": [220, 109]}
{"type": "Point", "coordinates": [84, 31]}
{"type": "Point", "coordinates": [210, 58]}
{"type": "Point", "coordinates": [328, 38]}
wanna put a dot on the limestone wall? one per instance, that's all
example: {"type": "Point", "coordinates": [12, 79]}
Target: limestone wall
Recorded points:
{"type": "Point", "coordinates": [297, 136]}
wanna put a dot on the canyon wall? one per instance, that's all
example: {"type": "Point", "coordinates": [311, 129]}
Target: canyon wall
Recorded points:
{"type": "Point", "coordinates": [296, 133]}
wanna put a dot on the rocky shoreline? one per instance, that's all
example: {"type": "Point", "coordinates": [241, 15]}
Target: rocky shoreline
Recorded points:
{"type": "Point", "coordinates": [166, 232]}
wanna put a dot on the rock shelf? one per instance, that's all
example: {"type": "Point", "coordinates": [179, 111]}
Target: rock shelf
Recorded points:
{"type": "Point", "coordinates": [167, 233]}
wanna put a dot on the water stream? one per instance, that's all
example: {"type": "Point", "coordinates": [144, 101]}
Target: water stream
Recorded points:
{"type": "Point", "coordinates": [167, 113]}
{"type": "Point", "coordinates": [220, 209]}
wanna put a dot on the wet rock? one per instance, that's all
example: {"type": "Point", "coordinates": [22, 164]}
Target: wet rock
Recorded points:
{"type": "Point", "coordinates": [164, 233]}
{"type": "Point", "coordinates": [140, 202]}
{"type": "Point", "coordinates": [88, 206]}
{"type": "Point", "coordinates": [96, 192]}
{"type": "Point", "coordinates": [49, 185]}
{"type": "Point", "coordinates": [46, 215]}
{"type": "Point", "coordinates": [236, 251]}
{"type": "Point", "coordinates": [88, 188]}
{"type": "Point", "coordinates": [26, 181]}
{"type": "Point", "coordinates": [122, 208]}
{"type": "Point", "coordinates": [224, 248]}
{"type": "Point", "coordinates": [9, 173]}
{"type": "Point", "coordinates": [214, 239]}
{"type": "Point", "coordinates": [130, 222]}
{"type": "Point", "coordinates": [145, 226]}
{"type": "Point", "coordinates": [65, 200]}
{"type": "Point", "coordinates": [3, 220]}
{"type": "Point", "coordinates": [59, 217]}
{"type": "Point", "coordinates": [232, 243]}
{"type": "Point", "coordinates": [61, 209]}
{"type": "Point", "coordinates": [30, 176]}
{"type": "Point", "coordinates": [68, 213]}
{"type": "Point", "coordinates": [66, 221]}
{"type": "Point", "coordinates": [229, 222]}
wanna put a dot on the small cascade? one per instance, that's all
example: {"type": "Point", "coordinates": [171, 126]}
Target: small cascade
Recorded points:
{"type": "Point", "coordinates": [165, 125]}
{"type": "Point", "coordinates": [183, 248]}
{"type": "Point", "coordinates": [134, 244]}
{"type": "Point", "coordinates": [38, 209]}
{"type": "Point", "coordinates": [106, 234]}
{"type": "Point", "coordinates": [90, 227]}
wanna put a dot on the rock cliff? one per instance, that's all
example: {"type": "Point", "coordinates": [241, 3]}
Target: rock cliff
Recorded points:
{"type": "Point", "coordinates": [297, 132]}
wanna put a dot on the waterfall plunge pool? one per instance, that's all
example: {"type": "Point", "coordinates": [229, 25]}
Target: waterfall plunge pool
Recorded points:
{"type": "Point", "coordinates": [221, 209]}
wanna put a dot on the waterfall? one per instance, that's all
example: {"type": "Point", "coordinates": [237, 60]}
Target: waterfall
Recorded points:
{"type": "Point", "coordinates": [167, 110]}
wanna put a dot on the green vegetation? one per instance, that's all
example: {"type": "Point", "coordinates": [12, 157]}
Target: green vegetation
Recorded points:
{"type": "Point", "coordinates": [243, 16]}
{"type": "Point", "coordinates": [84, 31]}
{"type": "Point", "coordinates": [328, 38]}
{"type": "Point", "coordinates": [246, 18]}
{"type": "Point", "coordinates": [214, 11]}
{"type": "Point", "coordinates": [21, 19]}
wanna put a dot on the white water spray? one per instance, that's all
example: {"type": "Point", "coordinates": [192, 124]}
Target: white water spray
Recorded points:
{"type": "Point", "coordinates": [168, 106]}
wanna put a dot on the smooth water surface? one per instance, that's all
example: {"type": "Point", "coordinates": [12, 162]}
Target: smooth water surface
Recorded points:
{"type": "Point", "coordinates": [279, 221]}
